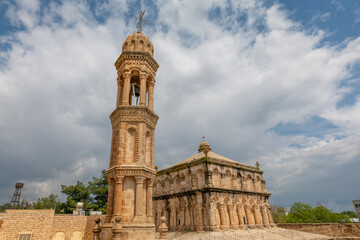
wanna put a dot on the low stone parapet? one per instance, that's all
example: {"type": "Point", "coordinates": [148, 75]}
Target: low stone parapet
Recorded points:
{"type": "Point", "coordinates": [336, 230]}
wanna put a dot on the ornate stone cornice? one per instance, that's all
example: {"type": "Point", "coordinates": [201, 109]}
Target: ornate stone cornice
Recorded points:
{"type": "Point", "coordinates": [134, 114]}
{"type": "Point", "coordinates": [136, 58]}
{"type": "Point", "coordinates": [131, 170]}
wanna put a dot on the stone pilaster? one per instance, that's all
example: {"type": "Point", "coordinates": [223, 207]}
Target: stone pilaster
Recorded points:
{"type": "Point", "coordinates": [139, 208]}
{"type": "Point", "coordinates": [149, 191]}
{"type": "Point", "coordinates": [118, 195]}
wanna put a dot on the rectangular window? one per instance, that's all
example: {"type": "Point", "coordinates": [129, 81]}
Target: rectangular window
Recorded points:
{"type": "Point", "coordinates": [25, 236]}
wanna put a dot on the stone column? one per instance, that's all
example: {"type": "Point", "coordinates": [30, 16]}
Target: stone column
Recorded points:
{"type": "Point", "coordinates": [109, 211]}
{"type": "Point", "coordinates": [142, 89]}
{"type": "Point", "coordinates": [200, 225]}
{"type": "Point", "coordinates": [149, 191]}
{"type": "Point", "coordinates": [241, 214]}
{"type": "Point", "coordinates": [223, 220]}
{"type": "Point", "coordinates": [212, 215]}
{"type": "Point", "coordinates": [257, 215]}
{"type": "Point", "coordinates": [182, 218]}
{"type": "Point", "coordinates": [264, 216]}
{"type": "Point", "coordinates": [271, 221]}
{"type": "Point", "coordinates": [126, 89]}
{"type": "Point", "coordinates": [119, 93]}
{"type": "Point", "coordinates": [233, 221]}
{"type": "Point", "coordinates": [118, 193]}
{"type": "Point", "coordinates": [172, 218]}
{"type": "Point", "coordinates": [249, 217]}
{"type": "Point", "coordinates": [139, 210]}
{"type": "Point", "coordinates": [151, 95]}
{"type": "Point", "coordinates": [187, 218]}
{"type": "Point", "coordinates": [192, 216]}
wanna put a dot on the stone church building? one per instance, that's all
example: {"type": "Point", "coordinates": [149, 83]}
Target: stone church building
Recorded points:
{"type": "Point", "coordinates": [206, 192]}
{"type": "Point", "coordinates": [209, 192]}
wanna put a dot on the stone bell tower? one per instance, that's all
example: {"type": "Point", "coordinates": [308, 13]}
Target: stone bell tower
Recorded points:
{"type": "Point", "coordinates": [131, 170]}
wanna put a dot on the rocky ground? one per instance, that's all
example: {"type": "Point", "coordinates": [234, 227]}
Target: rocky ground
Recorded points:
{"type": "Point", "coordinates": [252, 234]}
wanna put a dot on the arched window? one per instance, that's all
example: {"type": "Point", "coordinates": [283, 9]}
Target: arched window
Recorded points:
{"type": "Point", "coordinates": [58, 236]}
{"type": "Point", "coordinates": [239, 181]}
{"type": "Point", "coordinates": [228, 177]}
{"type": "Point", "coordinates": [77, 235]}
{"type": "Point", "coordinates": [201, 179]}
{"type": "Point", "coordinates": [216, 178]}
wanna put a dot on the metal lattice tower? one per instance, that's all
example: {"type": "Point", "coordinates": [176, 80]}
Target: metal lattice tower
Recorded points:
{"type": "Point", "coordinates": [16, 197]}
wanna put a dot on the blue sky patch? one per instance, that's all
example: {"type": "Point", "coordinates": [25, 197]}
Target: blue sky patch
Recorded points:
{"type": "Point", "coordinates": [314, 127]}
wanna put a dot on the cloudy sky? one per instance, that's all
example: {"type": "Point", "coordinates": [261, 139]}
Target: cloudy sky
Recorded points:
{"type": "Point", "coordinates": [269, 81]}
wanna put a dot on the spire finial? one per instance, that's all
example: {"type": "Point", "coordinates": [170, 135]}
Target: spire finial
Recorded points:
{"type": "Point", "coordinates": [141, 20]}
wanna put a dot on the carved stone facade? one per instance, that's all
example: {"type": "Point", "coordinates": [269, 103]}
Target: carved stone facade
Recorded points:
{"type": "Point", "coordinates": [131, 170]}
{"type": "Point", "coordinates": [208, 192]}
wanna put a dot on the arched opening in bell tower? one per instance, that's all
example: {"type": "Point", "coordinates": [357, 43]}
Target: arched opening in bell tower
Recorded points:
{"type": "Point", "coordinates": [134, 94]}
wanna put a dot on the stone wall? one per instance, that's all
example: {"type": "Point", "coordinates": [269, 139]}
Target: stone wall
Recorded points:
{"type": "Point", "coordinates": [2, 215]}
{"type": "Point", "coordinates": [338, 230]}
{"type": "Point", "coordinates": [45, 225]}
{"type": "Point", "coordinates": [37, 222]}
{"type": "Point", "coordinates": [69, 226]}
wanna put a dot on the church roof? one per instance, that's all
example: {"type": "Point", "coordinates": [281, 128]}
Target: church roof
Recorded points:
{"type": "Point", "coordinates": [211, 156]}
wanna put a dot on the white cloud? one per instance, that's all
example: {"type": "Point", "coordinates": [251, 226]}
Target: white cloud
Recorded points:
{"type": "Point", "coordinates": [321, 17]}
{"type": "Point", "coordinates": [339, 6]}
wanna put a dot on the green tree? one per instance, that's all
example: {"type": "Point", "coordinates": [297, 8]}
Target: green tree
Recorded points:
{"type": "Point", "coordinates": [299, 213]}
{"type": "Point", "coordinates": [99, 190]}
{"type": "Point", "coordinates": [4, 207]}
{"type": "Point", "coordinates": [304, 213]}
{"type": "Point", "coordinates": [50, 202]}
{"type": "Point", "coordinates": [76, 193]}
{"type": "Point", "coordinates": [351, 214]}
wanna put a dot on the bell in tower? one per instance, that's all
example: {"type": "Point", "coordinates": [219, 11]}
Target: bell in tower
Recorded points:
{"type": "Point", "coordinates": [131, 170]}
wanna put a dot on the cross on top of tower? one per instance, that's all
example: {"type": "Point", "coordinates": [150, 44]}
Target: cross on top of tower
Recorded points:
{"type": "Point", "coordinates": [141, 20]}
